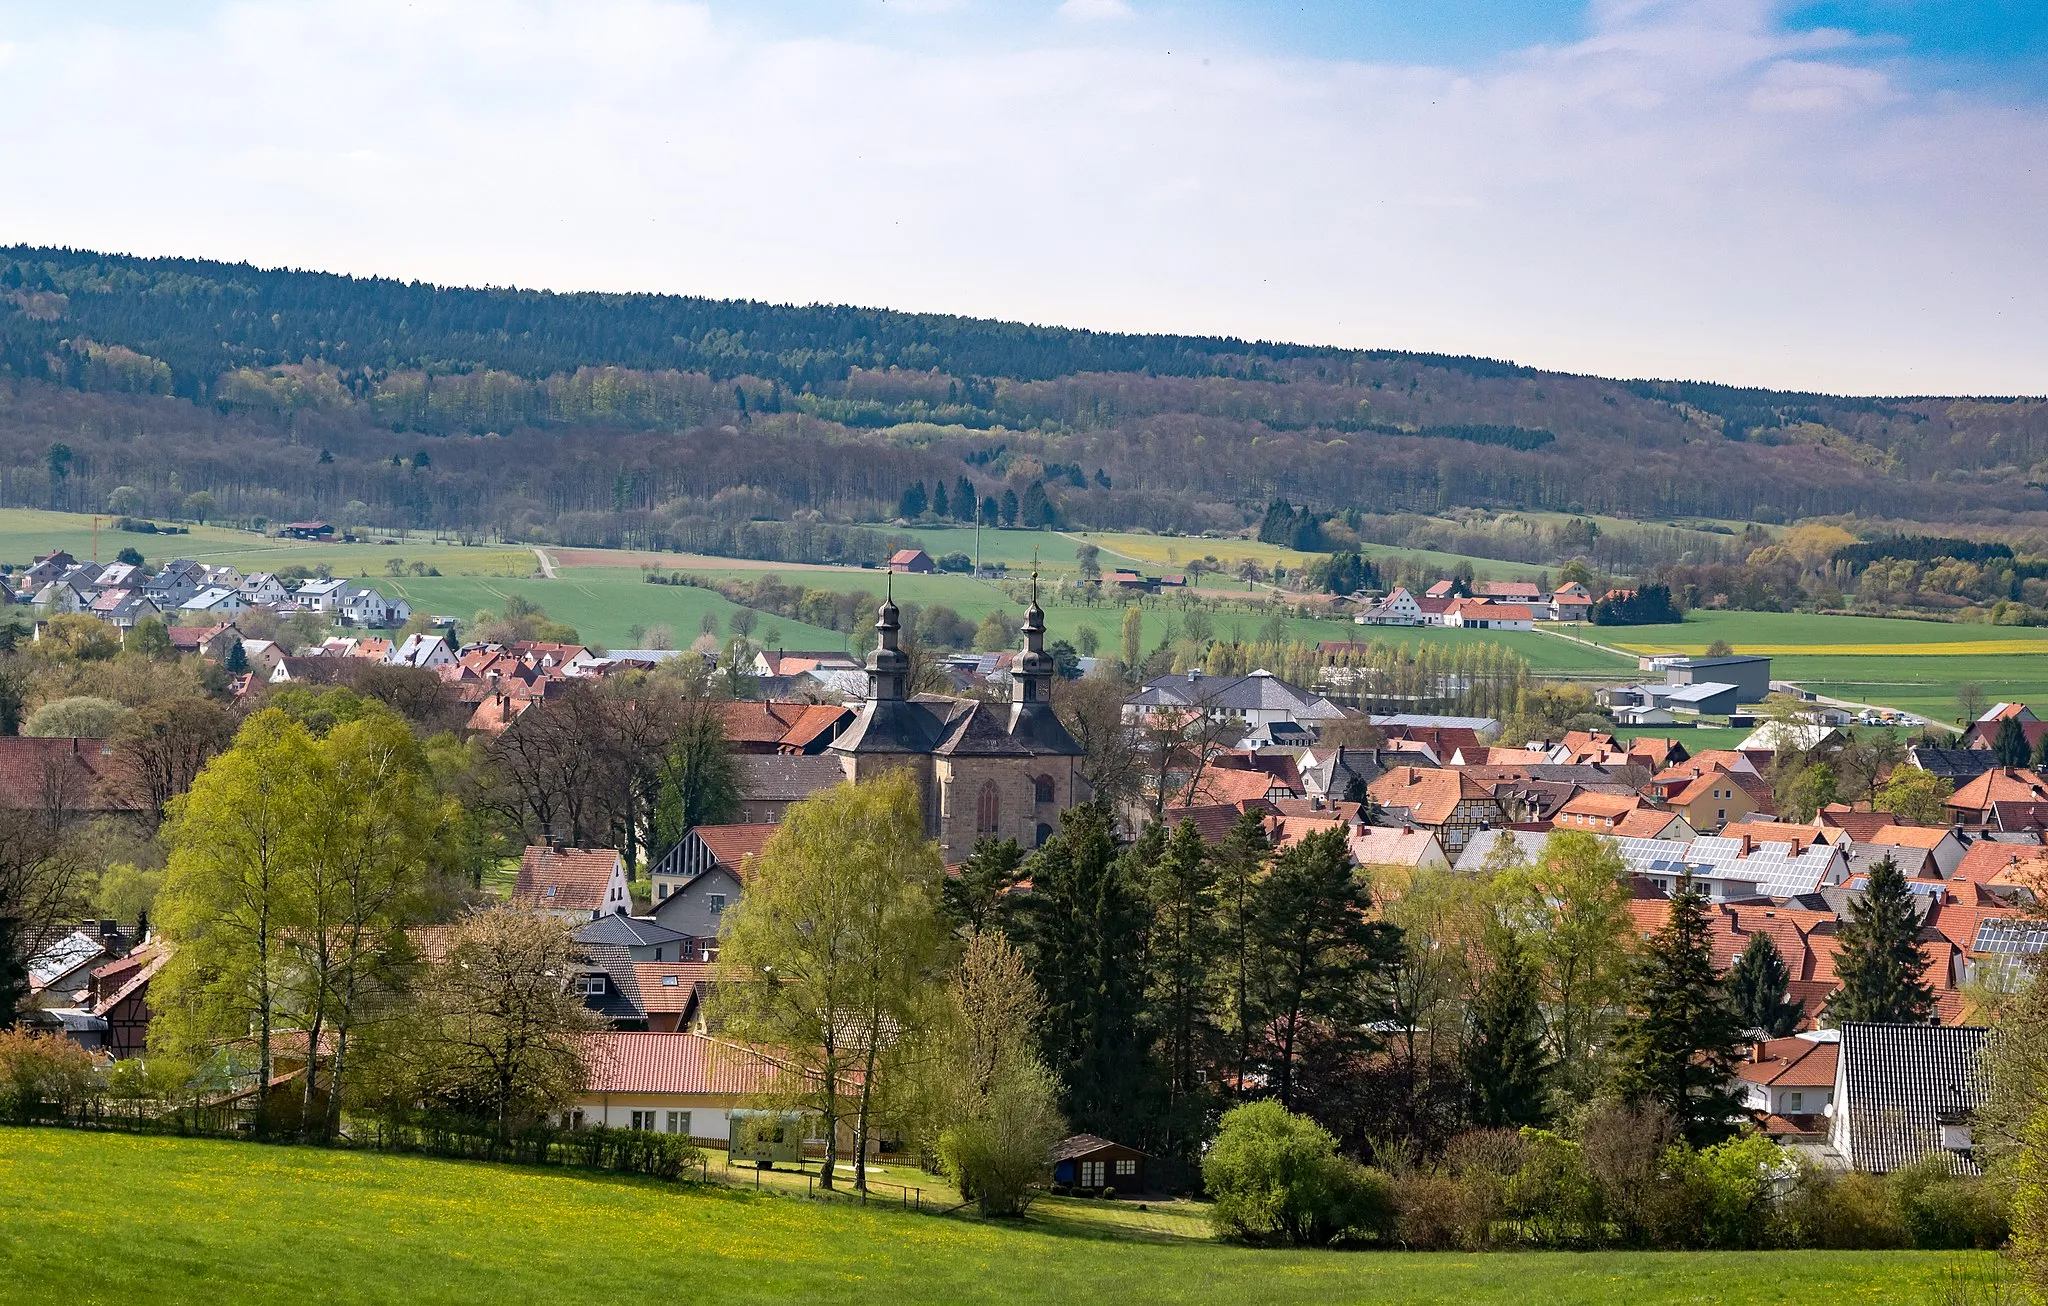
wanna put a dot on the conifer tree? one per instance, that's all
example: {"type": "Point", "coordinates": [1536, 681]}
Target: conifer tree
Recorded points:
{"type": "Point", "coordinates": [1877, 958]}
{"type": "Point", "coordinates": [1504, 1059]}
{"type": "Point", "coordinates": [1677, 1047]}
{"type": "Point", "coordinates": [1086, 937]}
{"type": "Point", "coordinates": [1759, 985]}
{"type": "Point", "coordinates": [976, 898]}
{"type": "Point", "coordinates": [940, 508]}
{"type": "Point", "coordinates": [1180, 890]}
{"type": "Point", "coordinates": [2009, 746]}
{"type": "Point", "coordinates": [1240, 862]}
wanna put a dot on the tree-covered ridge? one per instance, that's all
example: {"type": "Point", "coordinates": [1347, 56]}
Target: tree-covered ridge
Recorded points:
{"type": "Point", "coordinates": [286, 393]}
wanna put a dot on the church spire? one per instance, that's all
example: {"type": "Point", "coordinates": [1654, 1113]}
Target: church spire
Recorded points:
{"type": "Point", "coordinates": [888, 665]}
{"type": "Point", "coordinates": [1031, 675]}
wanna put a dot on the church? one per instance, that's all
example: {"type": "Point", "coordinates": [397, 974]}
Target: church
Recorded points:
{"type": "Point", "coordinates": [986, 770]}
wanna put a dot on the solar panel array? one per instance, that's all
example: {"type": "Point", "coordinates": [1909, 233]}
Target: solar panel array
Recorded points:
{"type": "Point", "coordinates": [2005, 934]}
{"type": "Point", "coordinates": [1774, 868]}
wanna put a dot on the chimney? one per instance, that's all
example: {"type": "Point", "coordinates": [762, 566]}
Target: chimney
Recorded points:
{"type": "Point", "coordinates": [1746, 846]}
{"type": "Point", "coordinates": [556, 844]}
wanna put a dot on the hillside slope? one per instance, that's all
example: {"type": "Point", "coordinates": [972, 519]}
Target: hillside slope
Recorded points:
{"type": "Point", "coordinates": [593, 418]}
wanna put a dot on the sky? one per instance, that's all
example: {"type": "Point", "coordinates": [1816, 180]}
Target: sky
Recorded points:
{"type": "Point", "coordinates": [1849, 196]}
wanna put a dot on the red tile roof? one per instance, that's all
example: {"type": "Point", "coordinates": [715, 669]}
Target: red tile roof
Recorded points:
{"type": "Point", "coordinates": [675, 1063]}
{"type": "Point", "coordinates": [1792, 1062]}
{"type": "Point", "coordinates": [72, 773]}
{"type": "Point", "coordinates": [667, 986]}
{"type": "Point", "coordinates": [578, 877]}
{"type": "Point", "coordinates": [733, 844]}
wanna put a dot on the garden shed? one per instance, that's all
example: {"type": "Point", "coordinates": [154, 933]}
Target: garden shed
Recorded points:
{"type": "Point", "coordinates": [1089, 1164]}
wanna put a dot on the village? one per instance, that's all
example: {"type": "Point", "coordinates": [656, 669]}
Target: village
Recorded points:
{"type": "Point", "coordinates": [1954, 830]}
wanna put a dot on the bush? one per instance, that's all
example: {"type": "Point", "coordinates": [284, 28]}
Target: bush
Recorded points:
{"type": "Point", "coordinates": [1441, 1212]}
{"type": "Point", "coordinates": [1552, 1195]}
{"type": "Point", "coordinates": [1725, 1196]}
{"type": "Point", "coordinates": [1843, 1212]}
{"type": "Point", "coordinates": [1276, 1178]}
{"type": "Point", "coordinates": [1942, 1211]}
{"type": "Point", "coordinates": [1001, 1155]}
{"type": "Point", "coordinates": [43, 1076]}
{"type": "Point", "coordinates": [83, 717]}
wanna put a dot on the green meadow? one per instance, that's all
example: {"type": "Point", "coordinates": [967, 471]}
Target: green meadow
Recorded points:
{"type": "Point", "coordinates": [115, 1219]}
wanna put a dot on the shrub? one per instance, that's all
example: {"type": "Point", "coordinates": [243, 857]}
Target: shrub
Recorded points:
{"type": "Point", "coordinates": [82, 717]}
{"type": "Point", "coordinates": [1000, 1155]}
{"type": "Point", "coordinates": [1843, 1212]}
{"type": "Point", "coordinates": [43, 1075]}
{"type": "Point", "coordinates": [1553, 1195]}
{"type": "Point", "coordinates": [1276, 1178]}
{"type": "Point", "coordinates": [1942, 1211]}
{"type": "Point", "coordinates": [1624, 1146]}
{"type": "Point", "coordinates": [1441, 1212]}
{"type": "Point", "coordinates": [1725, 1196]}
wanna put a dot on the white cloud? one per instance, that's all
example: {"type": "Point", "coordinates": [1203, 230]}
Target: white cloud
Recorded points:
{"type": "Point", "coordinates": [1688, 191]}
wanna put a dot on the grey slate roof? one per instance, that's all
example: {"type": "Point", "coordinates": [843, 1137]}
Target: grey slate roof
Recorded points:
{"type": "Point", "coordinates": [1260, 691]}
{"type": "Point", "coordinates": [618, 930]}
{"type": "Point", "coordinates": [957, 727]}
{"type": "Point", "coordinates": [1898, 1083]}
{"type": "Point", "coordinates": [784, 777]}
{"type": "Point", "coordinates": [1955, 765]}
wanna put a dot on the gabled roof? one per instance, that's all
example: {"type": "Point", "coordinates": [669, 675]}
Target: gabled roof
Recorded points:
{"type": "Point", "coordinates": [733, 844]}
{"type": "Point", "coordinates": [1791, 1063]}
{"type": "Point", "coordinates": [784, 777]}
{"type": "Point", "coordinates": [627, 931]}
{"type": "Point", "coordinates": [672, 986]}
{"type": "Point", "coordinates": [565, 879]}
{"type": "Point", "coordinates": [1379, 845]}
{"type": "Point", "coordinates": [1080, 1145]}
{"type": "Point", "coordinates": [1430, 796]}
{"type": "Point", "coordinates": [1900, 1082]}
{"type": "Point", "coordinates": [675, 1063]}
{"type": "Point", "coordinates": [2001, 784]}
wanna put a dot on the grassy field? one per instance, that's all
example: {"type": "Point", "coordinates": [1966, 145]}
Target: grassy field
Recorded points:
{"type": "Point", "coordinates": [1172, 552]}
{"type": "Point", "coordinates": [26, 533]}
{"type": "Point", "coordinates": [1915, 665]}
{"type": "Point", "coordinates": [114, 1219]}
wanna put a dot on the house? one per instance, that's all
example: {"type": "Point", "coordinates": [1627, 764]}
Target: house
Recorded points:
{"type": "Point", "coordinates": [1524, 592]}
{"type": "Point", "coordinates": [363, 606]}
{"type": "Point", "coordinates": [1803, 736]}
{"type": "Point", "coordinates": [1728, 869]}
{"type": "Point", "coordinates": [61, 596]}
{"type": "Point", "coordinates": [318, 531]}
{"type": "Point", "coordinates": [428, 652]}
{"type": "Point", "coordinates": [686, 1084]}
{"type": "Point", "coordinates": [1480, 614]}
{"type": "Point", "coordinates": [1257, 699]}
{"type": "Point", "coordinates": [984, 769]}
{"type": "Point", "coordinates": [1653, 823]}
{"type": "Point", "coordinates": [1709, 795]}
{"type": "Point", "coordinates": [1088, 1164]}
{"type": "Point", "coordinates": [61, 967]}
{"type": "Point", "coordinates": [1973, 801]}
{"type": "Point", "coordinates": [795, 662]}
{"type": "Point", "coordinates": [174, 582]}
{"type": "Point", "coordinates": [1397, 609]}
{"type": "Point", "coordinates": [643, 939]}
{"type": "Point", "coordinates": [119, 997]}
{"type": "Point", "coordinates": [915, 561]}
{"type": "Point", "coordinates": [123, 608]}
{"type": "Point", "coordinates": [705, 873]}
{"type": "Point", "coordinates": [214, 601]}
{"type": "Point", "coordinates": [1905, 1092]}
{"type": "Point", "coordinates": [671, 994]}
{"type": "Point", "coordinates": [263, 589]}
{"type": "Point", "coordinates": [321, 595]}
{"type": "Point", "coordinates": [1571, 602]}
{"type": "Point", "coordinates": [62, 778]}
{"type": "Point", "coordinates": [1983, 732]}
{"type": "Point", "coordinates": [1789, 1082]}
{"type": "Point", "coordinates": [769, 782]}
{"type": "Point", "coordinates": [45, 569]}
{"type": "Point", "coordinates": [782, 727]}
{"type": "Point", "coordinates": [577, 883]}
{"type": "Point", "coordinates": [1411, 849]}
{"type": "Point", "coordinates": [1939, 842]}
{"type": "Point", "coordinates": [1597, 811]}
{"type": "Point", "coordinates": [1449, 804]}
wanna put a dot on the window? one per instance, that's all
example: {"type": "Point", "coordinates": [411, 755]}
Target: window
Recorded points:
{"type": "Point", "coordinates": [661, 891]}
{"type": "Point", "coordinates": [988, 809]}
{"type": "Point", "coordinates": [643, 1120]}
{"type": "Point", "coordinates": [1721, 813]}
{"type": "Point", "coordinates": [1091, 1174]}
{"type": "Point", "coordinates": [668, 981]}
{"type": "Point", "coordinates": [716, 902]}
{"type": "Point", "coordinates": [1125, 1169]}
{"type": "Point", "coordinates": [590, 985]}
{"type": "Point", "coordinates": [1793, 1101]}
{"type": "Point", "coordinates": [1041, 789]}
{"type": "Point", "coordinates": [679, 1122]}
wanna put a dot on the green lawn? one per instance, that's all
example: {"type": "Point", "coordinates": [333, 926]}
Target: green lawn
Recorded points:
{"type": "Point", "coordinates": [114, 1219]}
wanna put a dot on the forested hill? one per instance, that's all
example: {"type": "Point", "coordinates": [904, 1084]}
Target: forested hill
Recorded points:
{"type": "Point", "coordinates": [599, 417]}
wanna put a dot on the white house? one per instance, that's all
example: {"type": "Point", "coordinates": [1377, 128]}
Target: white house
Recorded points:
{"type": "Point", "coordinates": [1476, 614]}
{"type": "Point", "coordinates": [263, 589]}
{"type": "Point", "coordinates": [427, 651]}
{"type": "Point", "coordinates": [1397, 609]}
{"type": "Point", "coordinates": [213, 601]}
{"type": "Point", "coordinates": [580, 884]}
{"type": "Point", "coordinates": [366, 607]}
{"type": "Point", "coordinates": [321, 595]}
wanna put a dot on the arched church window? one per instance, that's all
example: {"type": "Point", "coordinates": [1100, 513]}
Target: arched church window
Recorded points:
{"type": "Point", "coordinates": [1041, 789]}
{"type": "Point", "coordinates": [988, 809]}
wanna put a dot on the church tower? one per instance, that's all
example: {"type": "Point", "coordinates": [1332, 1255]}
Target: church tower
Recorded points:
{"type": "Point", "coordinates": [888, 665]}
